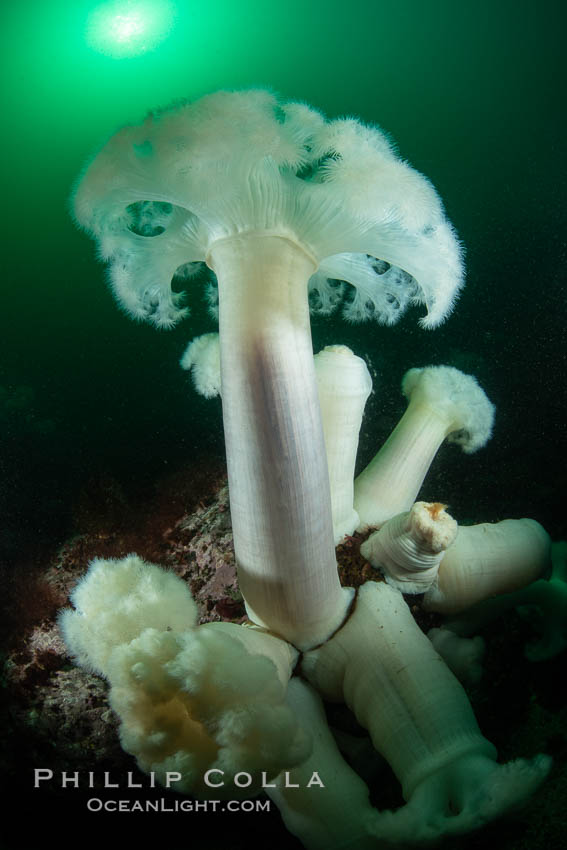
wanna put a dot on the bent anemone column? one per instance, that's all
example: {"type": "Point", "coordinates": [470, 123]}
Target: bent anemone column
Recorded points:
{"type": "Point", "coordinates": [443, 402]}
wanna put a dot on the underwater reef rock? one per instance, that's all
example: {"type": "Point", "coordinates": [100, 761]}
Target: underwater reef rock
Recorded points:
{"type": "Point", "coordinates": [201, 552]}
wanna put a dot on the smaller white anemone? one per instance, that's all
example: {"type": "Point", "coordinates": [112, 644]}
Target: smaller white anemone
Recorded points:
{"type": "Point", "coordinates": [443, 402]}
{"type": "Point", "coordinates": [202, 358]}
{"type": "Point", "coordinates": [409, 548]}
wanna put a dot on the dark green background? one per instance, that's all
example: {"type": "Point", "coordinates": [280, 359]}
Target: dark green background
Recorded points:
{"type": "Point", "coordinates": [474, 95]}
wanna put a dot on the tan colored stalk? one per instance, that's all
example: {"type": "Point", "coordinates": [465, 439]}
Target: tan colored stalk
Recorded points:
{"type": "Point", "coordinates": [344, 385]}
{"type": "Point", "coordinates": [399, 688]}
{"type": "Point", "coordinates": [488, 560]}
{"type": "Point", "coordinates": [278, 481]}
{"type": "Point", "coordinates": [418, 717]}
{"type": "Point", "coordinates": [443, 402]}
{"type": "Point", "coordinates": [391, 481]}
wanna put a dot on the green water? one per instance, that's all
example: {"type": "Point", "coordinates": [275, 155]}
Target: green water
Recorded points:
{"type": "Point", "coordinates": [473, 94]}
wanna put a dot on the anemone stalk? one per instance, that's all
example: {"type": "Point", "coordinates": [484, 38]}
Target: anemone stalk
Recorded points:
{"type": "Point", "coordinates": [277, 469]}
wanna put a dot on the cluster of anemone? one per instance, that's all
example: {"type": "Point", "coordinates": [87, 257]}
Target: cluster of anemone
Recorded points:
{"type": "Point", "coordinates": [291, 212]}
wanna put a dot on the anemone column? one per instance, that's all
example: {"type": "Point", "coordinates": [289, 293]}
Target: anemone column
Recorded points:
{"type": "Point", "coordinates": [278, 480]}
